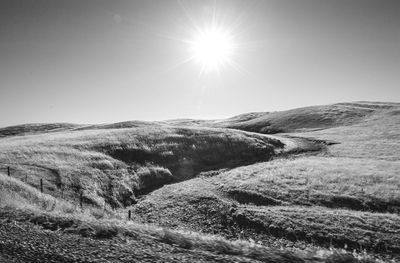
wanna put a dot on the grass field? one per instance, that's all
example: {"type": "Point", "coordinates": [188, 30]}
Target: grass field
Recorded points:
{"type": "Point", "coordinates": [327, 179]}
{"type": "Point", "coordinates": [117, 165]}
{"type": "Point", "coordinates": [22, 203]}
{"type": "Point", "coordinates": [346, 196]}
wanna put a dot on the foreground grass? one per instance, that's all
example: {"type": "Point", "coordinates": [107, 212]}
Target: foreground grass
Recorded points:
{"type": "Point", "coordinates": [201, 205]}
{"type": "Point", "coordinates": [24, 203]}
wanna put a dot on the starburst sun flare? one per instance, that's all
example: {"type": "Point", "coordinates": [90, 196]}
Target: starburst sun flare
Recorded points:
{"type": "Point", "coordinates": [212, 48]}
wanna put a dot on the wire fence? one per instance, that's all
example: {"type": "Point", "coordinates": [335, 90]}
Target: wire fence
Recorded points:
{"type": "Point", "coordinates": [48, 180]}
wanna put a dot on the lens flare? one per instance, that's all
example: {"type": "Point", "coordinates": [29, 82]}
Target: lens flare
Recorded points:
{"type": "Point", "coordinates": [212, 48]}
{"type": "Point", "coordinates": [212, 39]}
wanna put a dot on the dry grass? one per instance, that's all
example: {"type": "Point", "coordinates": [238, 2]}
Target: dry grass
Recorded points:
{"type": "Point", "coordinates": [354, 183]}
{"type": "Point", "coordinates": [201, 205]}
{"type": "Point", "coordinates": [115, 165]}
{"type": "Point", "coordinates": [348, 195]}
{"type": "Point", "coordinates": [53, 214]}
{"type": "Point", "coordinates": [25, 129]}
{"type": "Point", "coordinates": [88, 226]}
{"type": "Point", "coordinates": [307, 118]}
{"type": "Point", "coordinates": [18, 195]}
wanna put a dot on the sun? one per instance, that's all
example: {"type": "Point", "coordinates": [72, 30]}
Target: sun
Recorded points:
{"type": "Point", "coordinates": [212, 48]}
{"type": "Point", "coordinates": [212, 38]}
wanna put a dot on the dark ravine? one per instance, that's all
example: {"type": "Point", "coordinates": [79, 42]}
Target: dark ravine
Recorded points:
{"type": "Point", "coordinates": [192, 168]}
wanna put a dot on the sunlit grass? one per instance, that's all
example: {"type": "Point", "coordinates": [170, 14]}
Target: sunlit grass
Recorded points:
{"type": "Point", "coordinates": [117, 165]}
{"type": "Point", "coordinates": [50, 213]}
{"type": "Point", "coordinates": [307, 179]}
{"type": "Point", "coordinates": [345, 196]}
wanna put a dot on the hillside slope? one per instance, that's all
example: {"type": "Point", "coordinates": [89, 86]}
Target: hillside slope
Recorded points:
{"type": "Point", "coordinates": [346, 196]}
{"type": "Point", "coordinates": [328, 178]}
{"type": "Point", "coordinates": [35, 128]}
{"type": "Point", "coordinates": [309, 118]}
{"type": "Point", "coordinates": [118, 165]}
{"type": "Point", "coordinates": [300, 119]}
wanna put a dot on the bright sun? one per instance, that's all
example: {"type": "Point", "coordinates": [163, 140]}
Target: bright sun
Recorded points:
{"type": "Point", "coordinates": [212, 48]}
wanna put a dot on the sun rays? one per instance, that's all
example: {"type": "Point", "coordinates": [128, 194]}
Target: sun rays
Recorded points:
{"type": "Point", "coordinates": [212, 48]}
{"type": "Point", "coordinates": [211, 41]}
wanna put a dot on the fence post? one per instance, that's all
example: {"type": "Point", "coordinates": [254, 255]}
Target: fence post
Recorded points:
{"type": "Point", "coordinates": [26, 178]}
{"type": "Point", "coordinates": [8, 171]}
{"type": "Point", "coordinates": [80, 199]}
{"type": "Point", "coordinates": [41, 185]}
{"type": "Point", "coordinates": [129, 214]}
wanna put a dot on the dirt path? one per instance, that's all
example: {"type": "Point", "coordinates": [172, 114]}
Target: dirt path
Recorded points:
{"type": "Point", "coordinates": [25, 242]}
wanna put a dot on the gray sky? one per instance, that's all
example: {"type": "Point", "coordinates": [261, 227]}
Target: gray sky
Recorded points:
{"type": "Point", "coordinates": [107, 61]}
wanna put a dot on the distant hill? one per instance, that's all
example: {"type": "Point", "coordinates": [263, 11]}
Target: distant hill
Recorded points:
{"type": "Point", "coordinates": [308, 118]}
{"type": "Point", "coordinates": [299, 119]}
{"type": "Point", "coordinates": [294, 120]}
{"type": "Point", "coordinates": [33, 128]}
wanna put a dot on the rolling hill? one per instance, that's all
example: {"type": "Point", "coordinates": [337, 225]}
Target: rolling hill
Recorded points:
{"type": "Point", "coordinates": [293, 186]}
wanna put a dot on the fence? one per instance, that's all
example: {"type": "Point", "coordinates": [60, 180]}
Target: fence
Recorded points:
{"type": "Point", "coordinates": [44, 178]}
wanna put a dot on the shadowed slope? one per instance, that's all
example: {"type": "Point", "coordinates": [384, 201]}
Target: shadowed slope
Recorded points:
{"type": "Point", "coordinates": [36, 128]}
{"type": "Point", "coordinates": [117, 165]}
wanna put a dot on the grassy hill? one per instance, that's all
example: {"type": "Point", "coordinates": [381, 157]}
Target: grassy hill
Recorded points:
{"type": "Point", "coordinates": [34, 128]}
{"type": "Point", "coordinates": [327, 178]}
{"type": "Point", "coordinates": [117, 165]}
{"type": "Point", "coordinates": [311, 118]}
{"type": "Point", "coordinates": [300, 119]}
{"type": "Point", "coordinates": [346, 196]}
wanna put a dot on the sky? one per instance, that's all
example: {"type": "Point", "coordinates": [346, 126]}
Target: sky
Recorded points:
{"type": "Point", "coordinates": [98, 61]}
